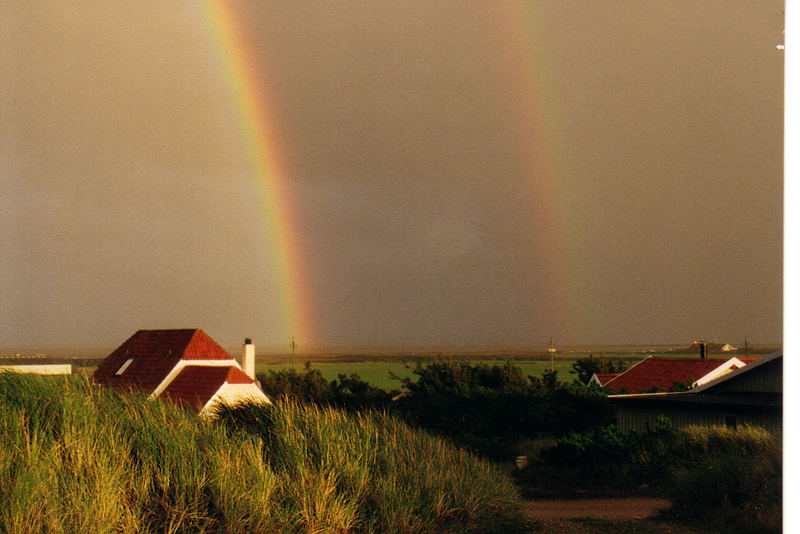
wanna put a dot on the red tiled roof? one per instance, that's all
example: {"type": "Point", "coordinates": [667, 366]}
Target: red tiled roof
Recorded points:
{"type": "Point", "coordinates": [195, 385]}
{"type": "Point", "coordinates": [605, 377]}
{"type": "Point", "coordinates": [154, 353]}
{"type": "Point", "coordinates": [660, 374]}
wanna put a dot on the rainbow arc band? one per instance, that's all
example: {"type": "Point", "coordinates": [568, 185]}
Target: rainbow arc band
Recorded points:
{"type": "Point", "coordinates": [247, 79]}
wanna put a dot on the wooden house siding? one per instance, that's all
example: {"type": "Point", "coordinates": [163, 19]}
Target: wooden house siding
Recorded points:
{"type": "Point", "coordinates": [767, 378]}
{"type": "Point", "coordinates": [644, 418]}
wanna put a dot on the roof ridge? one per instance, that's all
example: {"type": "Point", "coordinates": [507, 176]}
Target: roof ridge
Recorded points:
{"type": "Point", "coordinates": [189, 341]}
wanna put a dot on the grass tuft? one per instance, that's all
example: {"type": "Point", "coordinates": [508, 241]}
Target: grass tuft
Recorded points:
{"type": "Point", "coordinates": [78, 458]}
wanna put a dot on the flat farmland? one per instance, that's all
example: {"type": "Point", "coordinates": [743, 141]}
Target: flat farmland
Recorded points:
{"type": "Point", "coordinates": [378, 372]}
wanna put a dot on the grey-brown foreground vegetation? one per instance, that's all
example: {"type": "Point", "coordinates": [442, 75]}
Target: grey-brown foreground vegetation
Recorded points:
{"type": "Point", "coordinates": [341, 457]}
{"type": "Point", "coordinates": [716, 477]}
{"type": "Point", "coordinates": [723, 479]}
{"type": "Point", "coordinates": [78, 458]}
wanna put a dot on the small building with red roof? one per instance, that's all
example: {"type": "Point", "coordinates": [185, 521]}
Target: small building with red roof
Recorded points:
{"type": "Point", "coordinates": [749, 395]}
{"type": "Point", "coordinates": [664, 374]}
{"type": "Point", "coordinates": [183, 365]}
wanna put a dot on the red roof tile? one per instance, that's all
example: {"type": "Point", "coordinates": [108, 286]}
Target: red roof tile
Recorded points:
{"type": "Point", "coordinates": [153, 354]}
{"type": "Point", "coordinates": [605, 377]}
{"type": "Point", "coordinates": [195, 385]}
{"type": "Point", "coordinates": [660, 374]}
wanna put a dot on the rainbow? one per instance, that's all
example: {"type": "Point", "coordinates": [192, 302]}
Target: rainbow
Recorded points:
{"type": "Point", "coordinates": [529, 99]}
{"type": "Point", "coordinates": [525, 72]}
{"type": "Point", "coordinates": [248, 85]}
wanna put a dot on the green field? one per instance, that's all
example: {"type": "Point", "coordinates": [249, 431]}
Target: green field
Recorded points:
{"type": "Point", "coordinates": [377, 370]}
{"type": "Point", "coordinates": [379, 373]}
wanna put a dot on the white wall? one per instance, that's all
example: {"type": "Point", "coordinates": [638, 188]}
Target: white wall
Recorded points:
{"type": "Point", "coordinates": [235, 393]}
{"type": "Point", "coordinates": [40, 369]}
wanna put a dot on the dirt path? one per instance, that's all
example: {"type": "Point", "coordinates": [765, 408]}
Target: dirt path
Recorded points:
{"type": "Point", "coordinates": [612, 509]}
{"type": "Point", "coordinates": [629, 515]}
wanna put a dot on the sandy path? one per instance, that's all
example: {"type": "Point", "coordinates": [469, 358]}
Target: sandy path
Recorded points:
{"type": "Point", "coordinates": [623, 508]}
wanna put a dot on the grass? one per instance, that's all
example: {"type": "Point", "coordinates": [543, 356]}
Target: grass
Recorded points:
{"type": "Point", "coordinates": [732, 478]}
{"type": "Point", "coordinates": [77, 458]}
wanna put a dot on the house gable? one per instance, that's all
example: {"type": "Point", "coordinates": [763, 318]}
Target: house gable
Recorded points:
{"type": "Point", "coordinates": [231, 394]}
{"type": "Point", "coordinates": [198, 386]}
{"type": "Point", "coordinates": [765, 375]}
{"type": "Point", "coordinates": [601, 379]}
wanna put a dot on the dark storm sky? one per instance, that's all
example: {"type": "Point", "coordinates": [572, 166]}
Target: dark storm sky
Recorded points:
{"type": "Point", "coordinates": [464, 175]}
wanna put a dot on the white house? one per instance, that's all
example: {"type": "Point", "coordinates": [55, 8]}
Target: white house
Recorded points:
{"type": "Point", "coordinates": [183, 365]}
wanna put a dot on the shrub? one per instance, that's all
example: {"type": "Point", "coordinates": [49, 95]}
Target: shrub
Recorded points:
{"type": "Point", "coordinates": [586, 367]}
{"type": "Point", "coordinates": [489, 408]}
{"type": "Point", "coordinates": [603, 459]}
{"type": "Point", "coordinates": [348, 391]}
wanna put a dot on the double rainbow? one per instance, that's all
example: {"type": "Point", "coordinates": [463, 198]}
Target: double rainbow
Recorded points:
{"type": "Point", "coordinates": [527, 97]}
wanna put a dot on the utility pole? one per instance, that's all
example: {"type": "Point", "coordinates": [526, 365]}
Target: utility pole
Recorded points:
{"type": "Point", "coordinates": [294, 346]}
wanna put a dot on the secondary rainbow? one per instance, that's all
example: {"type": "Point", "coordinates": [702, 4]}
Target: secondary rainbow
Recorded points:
{"type": "Point", "coordinates": [247, 79]}
{"type": "Point", "coordinates": [531, 101]}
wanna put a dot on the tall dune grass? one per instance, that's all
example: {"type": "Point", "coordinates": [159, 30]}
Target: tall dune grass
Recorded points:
{"type": "Point", "coordinates": [77, 458]}
{"type": "Point", "coordinates": [730, 477]}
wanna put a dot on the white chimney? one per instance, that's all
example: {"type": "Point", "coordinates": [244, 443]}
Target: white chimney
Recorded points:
{"type": "Point", "coordinates": [249, 358]}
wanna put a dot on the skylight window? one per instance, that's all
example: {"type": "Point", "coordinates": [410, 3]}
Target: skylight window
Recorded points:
{"type": "Point", "coordinates": [124, 366]}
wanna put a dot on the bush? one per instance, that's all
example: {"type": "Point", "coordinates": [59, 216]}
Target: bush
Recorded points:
{"type": "Point", "coordinates": [604, 459]}
{"type": "Point", "coordinates": [490, 408]}
{"type": "Point", "coordinates": [348, 392]}
{"type": "Point", "coordinates": [586, 367]}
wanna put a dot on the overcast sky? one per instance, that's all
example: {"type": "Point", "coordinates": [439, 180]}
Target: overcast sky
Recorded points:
{"type": "Point", "coordinates": [464, 174]}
